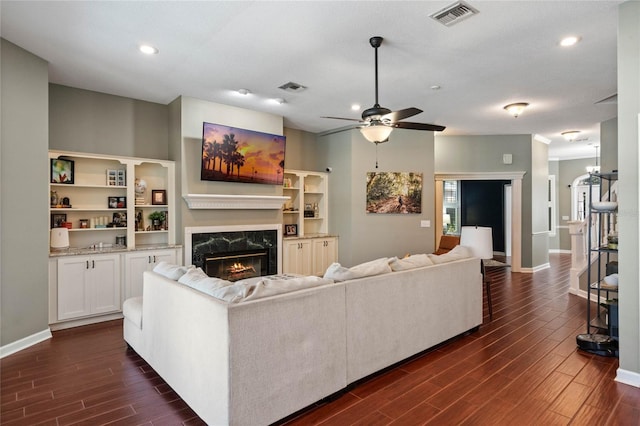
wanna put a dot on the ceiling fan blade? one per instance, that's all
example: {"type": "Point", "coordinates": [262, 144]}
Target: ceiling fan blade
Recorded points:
{"type": "Point", "coordinates": [402, 114]}
{"type": "Point", "coordinates": [418, 126]}
{"type": "Point", "coordinates": [343, 118]}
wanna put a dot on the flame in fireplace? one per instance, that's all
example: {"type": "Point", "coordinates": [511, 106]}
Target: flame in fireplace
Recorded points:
{"type": "Point", "coordinates": [239, 267]}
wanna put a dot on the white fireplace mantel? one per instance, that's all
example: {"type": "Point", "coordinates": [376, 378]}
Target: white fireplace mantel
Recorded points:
{"type": "Point", "coordinates": [237, 202]}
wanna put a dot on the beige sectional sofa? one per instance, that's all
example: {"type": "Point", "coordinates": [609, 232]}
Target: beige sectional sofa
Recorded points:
{"type": "Point", "coordinates": [258, 361]}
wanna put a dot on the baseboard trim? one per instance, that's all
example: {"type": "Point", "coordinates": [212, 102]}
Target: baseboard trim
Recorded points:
{"type": "Point", "coordinates": [628, 377]}
{"type": "Point", "coordinates": [562, 251]}
{"type": "Point", "coordinates": [24, 343]}
{"type": "Point", "coordinates": [535, 268]}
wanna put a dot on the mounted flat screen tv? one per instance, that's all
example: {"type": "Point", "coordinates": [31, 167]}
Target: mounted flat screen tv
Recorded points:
{"type": "Point", "coordinates": [230, 154]}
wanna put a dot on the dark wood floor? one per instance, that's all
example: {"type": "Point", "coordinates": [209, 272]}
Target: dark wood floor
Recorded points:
{"type": "Point", "coordinates": [521, 368]}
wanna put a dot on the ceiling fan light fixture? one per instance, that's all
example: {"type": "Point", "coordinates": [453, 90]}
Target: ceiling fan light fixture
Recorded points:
{"type": "Point", "coordinates": [570, 135]}
{"type": "Point", "coordinates": [376, 133]}
{"type": "Point", "coordinates": [516, 109]}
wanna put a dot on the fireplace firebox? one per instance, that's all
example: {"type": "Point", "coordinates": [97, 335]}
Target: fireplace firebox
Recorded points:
{"type": "Point", "coordinates": [233, 253]}
{"type": "Point", "coordinates": [237, 265]}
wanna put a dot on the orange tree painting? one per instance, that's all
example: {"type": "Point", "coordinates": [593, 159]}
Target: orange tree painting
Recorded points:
{"type": "Point", "coordinates": [240, 155]}
{"type": "Point", "coordinates": [394, 192]}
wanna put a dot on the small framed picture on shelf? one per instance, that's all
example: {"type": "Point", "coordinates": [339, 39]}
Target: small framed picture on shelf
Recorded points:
{"type": "Point", "coordinates": [62, 171]}
{"type": "Point", "coordinates": [58, 219]}
{"type": "Point", "coordinates": [121, 178]}
{"type": "Point", "coordinates": [84, 223]}
{"type": "Point", "coordinates": [112, 178]}
{"type": "Point", "coordinates": [119, 219]}
{"type": "Point", "coordinates": [291, 230]}
{"type": "Point", "coordinates": [117, 202]}
{"type": "Point", "coordinates": [158, 196]}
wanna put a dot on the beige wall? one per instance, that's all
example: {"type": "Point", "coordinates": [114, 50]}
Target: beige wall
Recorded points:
{"type": "Point", "coordinates": [24, 206]}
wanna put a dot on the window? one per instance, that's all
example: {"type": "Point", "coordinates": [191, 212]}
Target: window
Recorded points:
{"type": "Point", "coordinates": [451, 207]}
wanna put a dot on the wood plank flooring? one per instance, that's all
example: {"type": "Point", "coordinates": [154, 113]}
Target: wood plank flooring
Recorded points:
{"type": "Point", "coordinates": [522, 368]}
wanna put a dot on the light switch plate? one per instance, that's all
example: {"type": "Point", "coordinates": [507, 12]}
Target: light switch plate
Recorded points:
{"type": "Point", "coordinates": [425, 223]}
{"type": "Point", "coordinates": [507, 158]}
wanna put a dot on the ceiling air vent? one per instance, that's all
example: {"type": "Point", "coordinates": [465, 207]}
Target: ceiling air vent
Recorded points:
{"type": "Point", "coordinates": [454, 13]}
{"type": "Point", "coordinates": [292, 87]}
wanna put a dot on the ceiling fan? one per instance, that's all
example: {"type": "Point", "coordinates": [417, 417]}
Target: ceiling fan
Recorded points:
{"type": "Point", "coordinates": [378, 122]}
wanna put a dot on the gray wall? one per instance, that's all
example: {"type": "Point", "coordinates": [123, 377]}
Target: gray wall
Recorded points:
{"type": "Point", "coordinates": [629, 184]}
{"type": "Point", "coordinates": [24, 224]}
{"type": "Point", "coordinates": [467, 154]}
{"type": "Point", "coordinates": [609, 145]}
{"type": "Point", "coordinates": [86, 121]}
{"type": "Point", "coordinates": [365, 236]}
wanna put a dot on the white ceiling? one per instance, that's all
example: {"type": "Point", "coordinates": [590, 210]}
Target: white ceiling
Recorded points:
{"type": "Point", "coordinates": [509, 52]}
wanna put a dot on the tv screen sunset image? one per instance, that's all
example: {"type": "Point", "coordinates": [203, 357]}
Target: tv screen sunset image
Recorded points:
{"type": "Point", "coordinates": [238, 155]}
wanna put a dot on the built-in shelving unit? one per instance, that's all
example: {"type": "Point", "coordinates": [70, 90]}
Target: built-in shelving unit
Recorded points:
{"type": "Point", "coordinates": [308, 205]}
{"type": "Point", "coordinates": [97, 208]}
{"type": "Point", "coordinates": [111, 236]}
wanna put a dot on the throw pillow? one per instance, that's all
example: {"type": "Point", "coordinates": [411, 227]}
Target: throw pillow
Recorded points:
{"type": "Point", "coordinates": [337, 272]}
{"type": "Point", "coordinates": [192, 276]}
{"type": "Point", "coordinates": [410, 262]}
{"type": "Point", "coordinates": [172, 272]}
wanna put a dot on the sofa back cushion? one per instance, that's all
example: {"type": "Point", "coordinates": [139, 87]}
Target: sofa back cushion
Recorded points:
{"type": "Point", "coordinates": [260, 287]}
{"type": "Point", "coordinates": [337, 272]}
{"type": "Point", "coordinates": [409, 262]}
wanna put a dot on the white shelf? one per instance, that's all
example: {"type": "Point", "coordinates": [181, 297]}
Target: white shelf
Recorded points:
{"type": "Point", "coordinates": [90, 192]}
{"type": "Point", "coordinates": [307, 187]}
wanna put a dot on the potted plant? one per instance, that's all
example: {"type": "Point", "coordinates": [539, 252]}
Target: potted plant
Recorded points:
{"type": "Point", "coordinates": [156, 219]}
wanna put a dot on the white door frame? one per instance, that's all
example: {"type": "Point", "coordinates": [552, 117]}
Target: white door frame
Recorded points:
{"type": "Point", "coordinates": [516, 206]}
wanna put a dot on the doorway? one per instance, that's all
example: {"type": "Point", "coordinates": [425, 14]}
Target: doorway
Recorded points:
{"type": "Point", "coordinates": [482, 203]}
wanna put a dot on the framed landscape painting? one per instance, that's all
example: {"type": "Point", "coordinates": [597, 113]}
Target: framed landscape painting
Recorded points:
{"type": "Point", "coordinates": [394, 192]}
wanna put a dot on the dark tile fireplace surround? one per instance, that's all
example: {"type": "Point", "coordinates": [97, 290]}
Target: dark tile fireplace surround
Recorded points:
{"type": "Point", "coordinates": [237, 254]}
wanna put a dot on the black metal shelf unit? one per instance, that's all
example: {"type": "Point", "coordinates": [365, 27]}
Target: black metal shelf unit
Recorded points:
{"type": "Point", "coordinates": [602, 328]}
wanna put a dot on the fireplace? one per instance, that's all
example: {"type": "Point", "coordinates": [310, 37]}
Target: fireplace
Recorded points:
{"type": "Point", "coordinates": [235, 252]}
{"type": "Point", "coordinates": [237, 265]}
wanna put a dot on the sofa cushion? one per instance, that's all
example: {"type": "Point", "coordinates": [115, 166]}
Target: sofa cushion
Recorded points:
{"type": "Point", "coordinates": [337, 272]}
{"type": "Point", "coordinates": [168, 270]}
{"type": "Point", "coordinates": [132, 310]}
{"type": "Point", "coordinates": [409, 262]}
{"type": "Point", "coordinates": [259, 287]}
{"type": "Point", "coordinates": [198, 280]}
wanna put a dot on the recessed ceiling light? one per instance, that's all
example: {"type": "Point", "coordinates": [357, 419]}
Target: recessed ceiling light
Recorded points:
{"type": "Point", "coordinates": [569, 41]}
{"type": "Point", "coordinates": [244, 91]}
{"type": "Point", "coordinates": [435, 87]}
{"type": "Point", "coordinates": [148, 50]}
{"type": "Point", "coordinates": [279, 101]}
{"type": "Point", "coordinates": [355, 107]}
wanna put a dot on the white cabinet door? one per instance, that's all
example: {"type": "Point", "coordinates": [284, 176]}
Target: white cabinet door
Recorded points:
{"type": "Point", "coordinates": [88, 285]}
{"type": "Point", "coordinates": [73, 295]}
{"type": "Point", "coordinates": [104, 281]}
{"type": "Point", "coordinates": [297, 257]}
{"type": "Point", "coordinates": [325, 252]}
{"type": "Point", "coordinates": [138, 262]}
